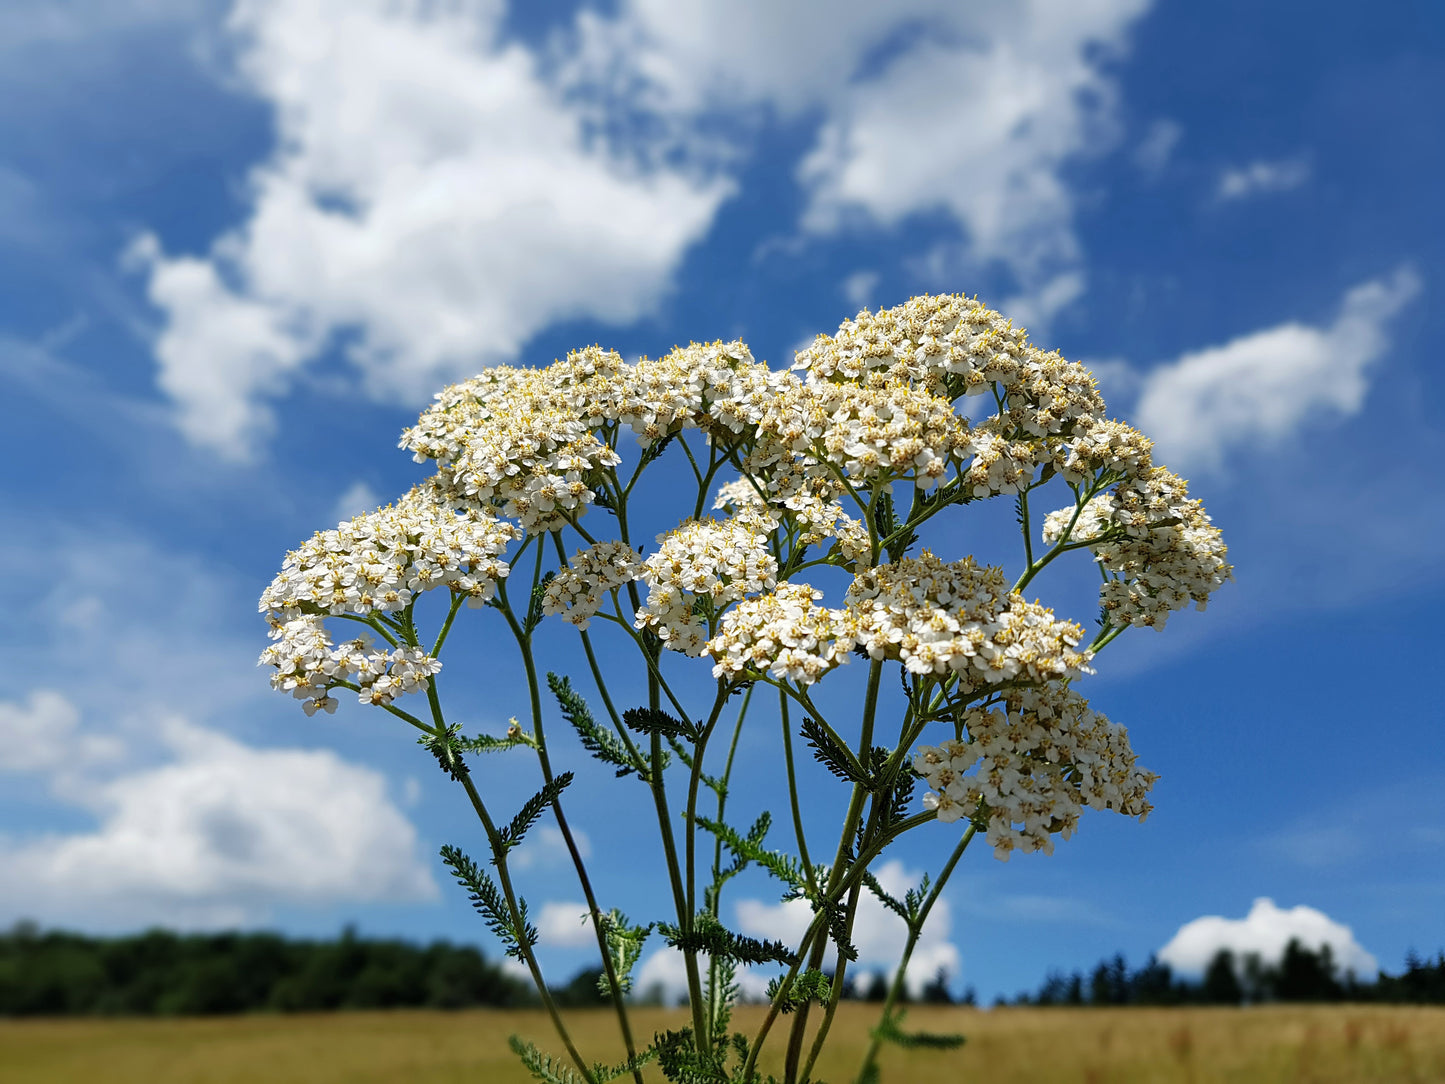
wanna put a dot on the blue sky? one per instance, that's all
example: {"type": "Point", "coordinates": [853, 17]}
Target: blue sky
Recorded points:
{"type": "Point", "coordinates": [240, 246]}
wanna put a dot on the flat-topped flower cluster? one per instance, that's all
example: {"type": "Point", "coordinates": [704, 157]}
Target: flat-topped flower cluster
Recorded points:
{"type": "Point", "coordinates": [867, 417]}
{"type": "Point", "coordinates": [804, 540]}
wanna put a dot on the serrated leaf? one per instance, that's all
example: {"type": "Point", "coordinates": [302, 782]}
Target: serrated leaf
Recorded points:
{"type": "Point", "coordinates": [542, 1066]}
{"type": "Point", "coordinates": [528, 814]}
{"type": "Point", "coordinates": [651, 721]}
{"type": "Point", "coordinates": [447, 748]}
{"type": "Point", "coordinates": [488, 901]}
{"type": "Point", "coordinates": [604, 1073]}
{"type": "Point", "coordinates": [601, 743]}
{"type": "Point", "coordinates": [891, 902]}
{"type": "Point", "coordinates": [624, 946]}
{"type": "Point", "coordinates": [888, 1031]}
{"type": "Point", "coordinates": [534, 604]}
{"type": "Point", "coordinates": [784, 867]}
{"type": "Point", "coordinates": [811, 985]}
{"type": "Point", "coordinates": [831, 753]}
{"type": "Point", "coordinates": [711, 937]}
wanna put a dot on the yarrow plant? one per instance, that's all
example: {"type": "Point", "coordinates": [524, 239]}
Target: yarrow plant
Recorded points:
{"type": "Point", "coordinates": [806, 500]}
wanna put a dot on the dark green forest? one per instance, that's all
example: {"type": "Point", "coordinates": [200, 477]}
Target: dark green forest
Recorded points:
{"type": "Point", "coordinates": [53, 973]}
{"type": "Point", "coordinates": [1302, 974]}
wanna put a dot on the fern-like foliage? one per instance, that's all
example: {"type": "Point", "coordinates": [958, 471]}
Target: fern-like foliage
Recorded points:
{"type": "Point", "coordinates": [447, 748]}
{"type": "Point", "coordinates": [888, 1031]}
{"type": "Point", "coordinates": [485, 743]}
{"type": "Point", "coordinates": [836, 915]}
{"type": "Point", "coordinates": [534, 604]}
{"type": "Point", "coordinates": [624, 946]}
{"type": "Point", "coordinates": [831, 753]}
{"type": "Point", "coordinates": [601, 743]}
{"type": "Point", "coordinates": [811, 985]}
{"type": "Point", "coordinates": [782, 866]}
{"type": "Point", "coordinates": [711, 937]}
{"type": "Point", "coordinates": [490, 904]}
{"type": "Point", "coordinates": [528, 814]}
{"type": "Point", "coordinates": [542, 1066]}
{"type": "Point", "coordinates": [893, 903]}
{"type": "Point", "coordinates": [604, 1073]}
{"type": "Point", "coordinates": [651, 721]}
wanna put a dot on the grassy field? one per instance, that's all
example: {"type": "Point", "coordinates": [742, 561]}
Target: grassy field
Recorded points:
{"type": "Point", "coordinates": [1325, 1044]}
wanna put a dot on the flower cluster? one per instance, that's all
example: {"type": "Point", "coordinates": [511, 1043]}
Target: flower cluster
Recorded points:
{"type": "Point", "coordinates": [715, 386]}
{"type": "Point", "coordinates": [1036, 761]}
{"type": "Point", "coordinates": [577, 591]}
{"type": "Point", "coordinates": [1159, 546]}
{"type": "Point", "coordinates": [958, 618]}
{"type": "Point", "coordinates": [309, 666]}
{"type": "Point", "coordinates": [1106, 445]}
{"type": "Point", "coordinates": [949, 344]}
{"type": "Point", "coordinates": [516, 438]}
{"type": "Point", "coordinates": [379, 562]}
{"type": "Point", "coordinates": [699, 569]}
{"type": "Point", "coordinates": [784, 633]}
{"type": "Point", "coordinates": [799, 493]}
{"type": "Point", "coordinates": [876, 429]}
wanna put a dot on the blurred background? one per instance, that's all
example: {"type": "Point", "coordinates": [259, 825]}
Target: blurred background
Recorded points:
{"type": "Point", "coordinates": [242, 244]}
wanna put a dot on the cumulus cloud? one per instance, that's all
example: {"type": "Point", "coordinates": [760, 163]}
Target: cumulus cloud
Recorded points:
{"type": "Point", "coordinates": [439, 194]}
{"type": "Point", "coordinates": [1265, 932]}
{"type": "Point", "coordinates": [1262, 178]}
{"type": "Point", "coordinates": [41, 735]}
{"type": "Point", "coordinates": [878, 933]}
{"type": "Point", "coordinates": [431, 195]}
{"type": "Point", "coordinates": [563, 923]}
{"type": "Point", "coordinates": [1262, 387]}
{"type": "Point", "coordinates": [217, 833]}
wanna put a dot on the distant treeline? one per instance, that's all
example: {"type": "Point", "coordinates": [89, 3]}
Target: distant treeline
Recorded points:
{"type": "Point", "coordinates": [1302, 974]}
{"type": "Point", "coordinates": [162, 973]}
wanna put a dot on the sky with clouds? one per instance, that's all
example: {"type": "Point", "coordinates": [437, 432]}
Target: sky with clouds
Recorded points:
{"type": "Point", "coordinates": [241, 244]}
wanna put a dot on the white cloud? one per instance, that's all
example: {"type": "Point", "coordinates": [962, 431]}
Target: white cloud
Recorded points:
{"type": "Point", "coordinates": [430, 193]}
{"type": "Point", "coordinates": [438, 195]}
{"type": "Point", "coordinates": [40, 735]}
{"type": "Point", "coordinates": [1156, 148]}
{"type": "Point", "coordinates": [546, 848]}
{"type": "Point", "coordinates": [1263, 177]}
{"type": "Point", "coordinates": [563, 923]}
{"type": "Point", "coordinates": [878, 934]}
{"type": "Point", "coordinates": [860, 288]}
{"type": "Point", "coordinates": [1262, 387]}
{"type": "Point", "coordinates": [217, 834]}
{"type": "Point", "coordinates": [1265, 931]}
{"type": "Point", "coordinates": [976, 120]}
{"type": "Point", "coordinates": [928, 106]}
{"type": "Point", "coordinates": [358, 499]}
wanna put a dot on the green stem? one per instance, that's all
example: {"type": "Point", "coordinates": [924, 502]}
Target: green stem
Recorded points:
{"type": "Point", "coordinates": [845, 844]}
{"type": "Point", "coordinates": [504, 877]}
{"type": "Point", "coordinates": [793, 789]}
{"type": "Point", "coordinates": [855, 876]}
{"type": "Point", "coordinates": [915, 930]}
{"type": "Point", "coordinates": [524, 644]}
{"type": "Point", "coordinates": [457, 600]}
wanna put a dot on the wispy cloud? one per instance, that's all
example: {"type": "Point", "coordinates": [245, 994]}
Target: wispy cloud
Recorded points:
{"type": "Point", "coordinates": [1263, 178]}
{"type": "Point", "coordinates": [1152, 153]}
{"type": "Point", "coordinates": [1263, 387]}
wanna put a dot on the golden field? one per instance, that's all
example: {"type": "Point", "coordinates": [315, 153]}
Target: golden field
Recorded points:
{"type": "Point", "coordinates": [1324, 1044]}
